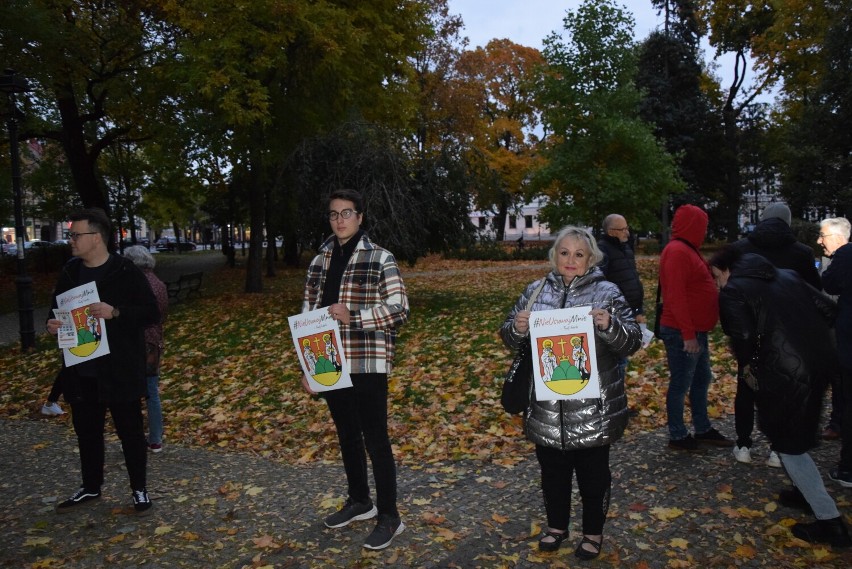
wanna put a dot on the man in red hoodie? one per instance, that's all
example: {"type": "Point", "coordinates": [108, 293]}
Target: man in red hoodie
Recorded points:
{"type": "Point", "coordinates": [690, 311]}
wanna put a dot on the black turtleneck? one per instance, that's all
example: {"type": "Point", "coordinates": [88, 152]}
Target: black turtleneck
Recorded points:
{"type": "Point", "coordinates": [339, 258]}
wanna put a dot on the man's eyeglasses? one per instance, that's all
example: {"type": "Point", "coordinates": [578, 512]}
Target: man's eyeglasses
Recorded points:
{"type": "Point", "coordinates": [73, 235]}
{"type": "Point", "coordinates": [625, 228]}
{"type": "Point", "coordinates": [345, 214]}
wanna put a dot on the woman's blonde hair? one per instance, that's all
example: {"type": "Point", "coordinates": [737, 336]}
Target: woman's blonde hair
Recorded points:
{"type": "Point", "coordinates": [582, 234]}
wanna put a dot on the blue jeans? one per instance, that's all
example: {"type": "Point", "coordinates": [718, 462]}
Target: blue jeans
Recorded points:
{"type": "Point", "coordinates": [155, 411]}
{"type": "Point", "coordinates": [806, 477]}
{"type": "Point", "coordinates": [689, 373]}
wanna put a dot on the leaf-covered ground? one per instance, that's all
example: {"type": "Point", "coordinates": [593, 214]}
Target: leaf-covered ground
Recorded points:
{"type": "Point", "coordinates": [469, 490]}
{"type": "Point", "coordinates": [230, 375]}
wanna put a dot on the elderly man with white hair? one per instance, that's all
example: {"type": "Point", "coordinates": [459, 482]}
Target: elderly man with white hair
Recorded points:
{"type": "Point", "coordinates": [837, 280]}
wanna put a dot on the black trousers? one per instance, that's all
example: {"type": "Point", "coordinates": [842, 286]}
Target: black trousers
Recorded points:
{"type": "Point", "coordinates": [744, 413]}
{"type": "Point", "coordinates": [593, 480]}
{"type": "Point", "coordinates": [55, 390]}
{"type": "Point", "coordinates": [360, 414]}
{"type": "Point", "coordinates": [846, 421]}
{"type": "Point", "coordinates": [89, 418]}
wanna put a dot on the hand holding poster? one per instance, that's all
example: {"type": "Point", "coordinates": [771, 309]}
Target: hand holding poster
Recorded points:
{"type": "Point", "coordinates": [564, 357]}
{"type": "Point", "coordinates": [82, 337]}
{"type": "Point", "coordinates": [317, 339]}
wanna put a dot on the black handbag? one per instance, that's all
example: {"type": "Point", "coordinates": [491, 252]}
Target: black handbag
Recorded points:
{"type": "Point", "coordinates": [516, 388]}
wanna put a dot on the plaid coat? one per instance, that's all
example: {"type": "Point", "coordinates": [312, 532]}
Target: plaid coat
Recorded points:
{"type": "Point", "coordinates": [373, 290]}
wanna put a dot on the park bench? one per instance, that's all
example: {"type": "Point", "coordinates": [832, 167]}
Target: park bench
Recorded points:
{"type": "Point", "coordinates": [184, 286]}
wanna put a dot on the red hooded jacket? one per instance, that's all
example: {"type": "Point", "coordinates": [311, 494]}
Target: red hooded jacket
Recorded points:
{"type": "Point", "coordinates": [690, 297]}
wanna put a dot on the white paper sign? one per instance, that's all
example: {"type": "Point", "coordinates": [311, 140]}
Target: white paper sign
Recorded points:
{"type": "Point", "coordinates": [565, 362]}
{"type": "Point", "coordinates": [316, 336]}
{"type": "Point", "coordinates": [82, 337]}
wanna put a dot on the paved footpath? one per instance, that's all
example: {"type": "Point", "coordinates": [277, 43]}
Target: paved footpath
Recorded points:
{"type": "Point", "coordinates": [232, 510]}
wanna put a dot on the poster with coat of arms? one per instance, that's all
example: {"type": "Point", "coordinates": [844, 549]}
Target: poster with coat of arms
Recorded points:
{"type": "Point", "coordinates": [81, 336]}
{"type": "Point", "coordinates": [565, 362]}
{"type": "Point", "coordinates": [316, 336]}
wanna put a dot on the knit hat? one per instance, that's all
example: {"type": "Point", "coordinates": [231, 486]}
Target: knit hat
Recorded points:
{"type": "Point", "coordinates": [779, 210]}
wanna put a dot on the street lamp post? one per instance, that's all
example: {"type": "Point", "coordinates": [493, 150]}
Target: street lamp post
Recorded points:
{"type": "Point", "coordinates": [12, 84]}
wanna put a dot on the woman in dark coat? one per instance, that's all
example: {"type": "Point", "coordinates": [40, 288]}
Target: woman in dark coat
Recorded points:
{"type": "Point", "coordinates": [780, 334]}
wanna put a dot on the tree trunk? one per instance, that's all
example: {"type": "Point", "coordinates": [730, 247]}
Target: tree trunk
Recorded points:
{"type": "Point", "coordinates": [291, 249]}
{"type": "Point", "coordinates": [500, 220]}
{"type": "Point", "coordinates": [733, 180]}
{"type": "Point", "coordinates": [80, 161]}
{"type": "Point", "coordinates": [270, 238]}
{"type": "Point", "coordinates": [254, 266]}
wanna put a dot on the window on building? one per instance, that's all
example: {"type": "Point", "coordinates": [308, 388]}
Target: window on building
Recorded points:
{"type": "Point", "coordinates": [513, 222]}
{"type": "Point", "coordinates": [528, 221]}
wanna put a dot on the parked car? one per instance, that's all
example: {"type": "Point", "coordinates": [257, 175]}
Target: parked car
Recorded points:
{"type": "Point", "coordinates": [36, 244]}
{"type": "Point", "coordinates": [143, 241]}
{"type": "Point", "coordinates": [62, 242]}
{"type": "Point", "coordinates": [170, 244]}
{"type": "Point", "coordinates": [8, 248]}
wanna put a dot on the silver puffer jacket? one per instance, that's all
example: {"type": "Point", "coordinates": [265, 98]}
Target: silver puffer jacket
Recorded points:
{"type": "Point", "coordinates": [581, 423]}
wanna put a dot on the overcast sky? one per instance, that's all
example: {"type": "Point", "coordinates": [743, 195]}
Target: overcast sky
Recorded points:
{"type": "Point", "coordinates": [528, 22]}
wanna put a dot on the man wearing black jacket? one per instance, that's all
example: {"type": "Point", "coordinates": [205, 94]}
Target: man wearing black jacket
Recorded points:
{"type": "Point", "coordinates": [619, 267]}
{"type": "Point", "coordinates": [773, 239]}
{"type": "Point", "coordinates": [116, 380]}
{"type": "Point", "coordinates": [619, 263]}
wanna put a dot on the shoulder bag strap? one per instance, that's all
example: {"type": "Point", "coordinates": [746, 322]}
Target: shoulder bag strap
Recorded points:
{"type": "Point", "coordinates": [535, 294]}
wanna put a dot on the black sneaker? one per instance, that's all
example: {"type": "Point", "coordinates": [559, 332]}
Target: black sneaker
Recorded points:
{"type": "Point", "coordinates": [141, 502]}
{"type": "Point", "coordinates": [713, 437]}
{"type": "Point", "coordinates": [387, 528]}
{"type": "Point", "coordinates": [80, 497]}
{"type": "Point", "coordinates": [350, 512]}
{"type": "Point", "coordinates": [842, 477]}
{"type": "Point", "coordinates": [793, 498]}
{"type": "Point", "coordinates": [687, 444]}
{"type": "Point", "coordinates": [832, 532]}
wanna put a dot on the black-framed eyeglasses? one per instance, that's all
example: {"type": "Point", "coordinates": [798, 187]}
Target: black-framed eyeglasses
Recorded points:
{"type": "Point", "coordinates": [73, 235]}
{"type": "Point", "coordinates": [345, 214]}
{"type": "Point", "coordinates": [625, 228]}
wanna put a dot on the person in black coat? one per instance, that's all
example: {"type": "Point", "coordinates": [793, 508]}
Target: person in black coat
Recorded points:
{"type": "Point", "coordinates": [772, 239]}
{"type": "Point", "coordinates": [114, 381]}
{"type": "Point", "coordinates": [619, 262]}
{"type": "Point", "coordinates": [619, 267]}
{"type": "Point", "coordinates": [834, 238]}
{"type": "Point", "coordinates": [780, 334]}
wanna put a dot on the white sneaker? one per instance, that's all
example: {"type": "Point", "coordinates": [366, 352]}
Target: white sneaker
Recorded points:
{"type": "Point", "coordinates": [52, 409]}
{"type": "Point", "coordinates": [774, 461]}
{"type": "Point", "coordinates": [742, 454]}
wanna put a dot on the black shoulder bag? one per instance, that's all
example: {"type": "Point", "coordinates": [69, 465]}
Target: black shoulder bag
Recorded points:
{"type": "Point", "coordinates": [516, 388]}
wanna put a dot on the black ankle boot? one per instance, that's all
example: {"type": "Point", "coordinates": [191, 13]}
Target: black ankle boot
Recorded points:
{"type": "Point", "coordinates": [793, 498]}
{"type": "Point", "coordinates": [832, 532]}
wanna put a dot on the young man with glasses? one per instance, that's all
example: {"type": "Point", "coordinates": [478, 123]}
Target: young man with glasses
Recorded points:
{"type": "Point", "coordinates": [114, 381]}
{"type": "Point", "coordinates": [837, 280]}
{"type": "Point", "coordinates": [360, 285]}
